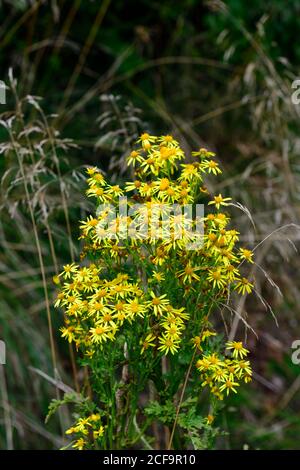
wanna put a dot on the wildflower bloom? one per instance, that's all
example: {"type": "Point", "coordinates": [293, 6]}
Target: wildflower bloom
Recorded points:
{"type": "Point", "coordinates": [69, 269]}
{"type": "Point", "coordinates": [115, 190]}
{"type": "Point", "coordinates": [79, 444]}
{"type": "Point", "coordinates": [209, 419]}
{"type": "Point", "coordinates": [229, 386]}
{"type": "Point", "coordinates": [134, 158]}
{"type": "Point", "coordinates": [246, 254]}
{"type": "Point", "coordinates": [167, 140]}
{"type": "Point", "coordinates": [98, 432]}
{"type": "Point", "coordinates": [203, 153]}
{"type": "Point", "coordinates": [244, 286]}
{"type": "Point", "coordinates": [158, 276]}
{"type": "Point", "coordinates": [190, 172]}
{"type": "Point", "coordinates": [196, 342]}
{"type": "Point", "coordinates": [100, 333]}
{"type": "Point", "coordinates": [148, 342]}
{"type": "Point", "coordinates": [134, 185]}
{"type": "Point", "coordinates": [206, 334]}
{"type": "Point", "coordinates": [212, 167]}
{"type": "Point", "coordinates": [188, 274]}
{"type": "Point", "coordinates": [88, 225]}
{"type": "Point", "coordinates": [220, 201]}
{"type": "Point", "coordinates": [146, 140]}
{"type": "Point", "coordinates": [135, 308]}
{"type": "Point", "coordinates": [237, 349]}
{"type": "Point", "coordinates": [158, 303]}
{"type": "Point", "coordinates": [168, 344]}
{"type": "Point", "coordinates": [220, 375]}
{"type": "Point", "coordinates": [243, 368]}
{"type": "Point", "coordinates": [173, 331]}
{"type": "Point", "coordinates": [68, 333]}
{"type": "Point", "coordinates": [216, 277]}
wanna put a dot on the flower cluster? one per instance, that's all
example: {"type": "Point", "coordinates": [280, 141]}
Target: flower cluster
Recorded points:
{"type": "Point", "coordinates": [96, 309]}
{"type": "Point", "coordinates": [86, 431]}
{"type": "Point", "coordinates": [223, 375]}
{"type": "Point", "coordinates": [97, 304]}
{"type": "Point", "coordinates": [141, 289]}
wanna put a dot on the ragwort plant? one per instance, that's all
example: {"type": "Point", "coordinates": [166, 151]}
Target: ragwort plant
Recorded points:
{"type": "Point", "coordinates": [138, 308]}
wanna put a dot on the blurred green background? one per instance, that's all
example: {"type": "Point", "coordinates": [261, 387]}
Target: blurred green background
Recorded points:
{"type": "Point", "coordinates": [214, 74]}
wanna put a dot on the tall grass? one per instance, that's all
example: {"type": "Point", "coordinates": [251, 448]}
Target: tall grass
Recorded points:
{"type": "Point", "coordinates": [36, 189]}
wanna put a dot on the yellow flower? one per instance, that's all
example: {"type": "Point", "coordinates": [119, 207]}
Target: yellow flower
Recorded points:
{"type": "Point", "coordinates": [98, 433]}
{"type": "Point", "coordinates": [237, 349]}
{"type": "Point", "coordinates": [214, 361]}
{"type": "Point", "coordinates": [81, 425]}
{"type": "Point", "coordinates": [120, 290]}
{"type": "Point", "coordinates": [232, 273]}
{"type": "Point", "coordinates": [207, 334]}
{"type": "Point", "coordinates": [229, 386]}
{"type": "Point", "coordinates": [146, 190]}
{"type": "Point", "coordinates": [190, 172]}
{"type": "Point", "coordinates": [209, 419]}
{"type": "Point", "coordinates": [158, 304]}
{"type": "Point", "coordinates": [97, 307]}
{"type": "Point", "coordinates": [231, 370]}
{"type": "Point", "coordinates": [71, 430]}
{"type": "Point", "coordinates": [100, 333]}
{"type": "Point", "coordinates": [220, 375]}
{"type": "Point", "coordinates": [247, 378]}
{"type": "Point", "coordinates": [160, 257]}
{"type": "Point", "coordinates": [150, 164]}
{"type": "Point", "coordinates": [208, 380]}
{"type": "Point", "coordinates": [167, 156]}
{"type": "Point", "coordinates": [203, 153]}
{"type": "Point", "coordinates": [196, 342]}
{"type": "Point", "coordinates": [147, 140]}
{"type": "Point", "coordinates": [100, 305]}
{"type": "Point", "coordinates": [158, 276]}
{"type": "Point", "coordinates": [106, 319]}
{"type": "Point", "coordinates": [115, 190]}
{"type": "Point", "coordinates": [216, 277]}
{"type": "Point", "coordinates": [171, 319]}
{"type": "Point", "coordinates": [56, 280]}
{"type": "Point", "coordinates": [135, 308]}
{"type": "Point", "coordinates": [131, 186]}
{"type": "Point", "coordinates": [163, 184]}
{"type": "Point", "coordinates": [168, 345]}
{"type": "Point", "coordinates": [246, 254]}
{"type": "Point", "coordinates": [88, 225]}
{"type": "Point", "coordinates": [244, 286]}
{"type": "Point", "coordinates": [68, 333]}
{"type": "Point", "coordinates": [188, 274]}
{"type": "Point", "coordinates": [95, 417]}
{"type": "Point", "coordinates": [59, 299]}
{"type": "Point", "coordinates": [79, 444]}
{"type": "Point", "coordinates": [92, 170]}
{"type": "Point", "coordinates": [243, 368]}
{"type": "Point", "coordinates": [167, 140]}
{"type": "Point", "coordinates": [69, 269]}
{"type": "Point", "coordinates": [134, 157]}
{"type": "Point", "coordinates": [220, 201]}
{"type": "Point", "coordinates": [100, 193]}
{"type": "Point", "coordinates": [212, 167]}
{"type": "Point", "coordinates": [148, 342]}
{"type": "Point", "coordinates": [173, 331]}
{"type": "Point", "coordinates": [203, 364]}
